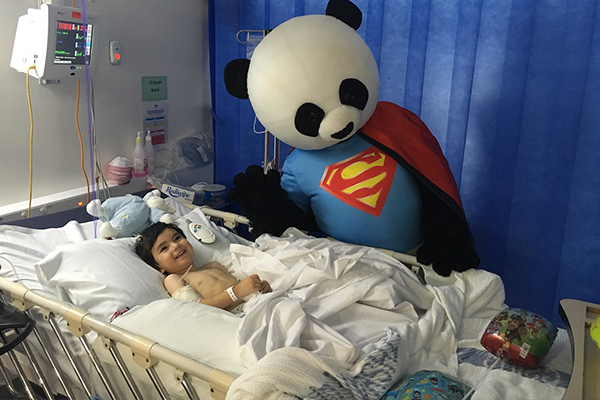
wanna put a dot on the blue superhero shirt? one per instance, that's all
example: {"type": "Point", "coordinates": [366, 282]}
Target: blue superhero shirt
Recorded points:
{"type": "Point", "coordinates": [357, 193]}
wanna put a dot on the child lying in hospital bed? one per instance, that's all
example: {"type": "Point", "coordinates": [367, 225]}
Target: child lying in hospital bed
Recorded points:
{"type": "Point", "coordinates": [102, 276]}
{"type": "Point", "coordinates": [165, 248]}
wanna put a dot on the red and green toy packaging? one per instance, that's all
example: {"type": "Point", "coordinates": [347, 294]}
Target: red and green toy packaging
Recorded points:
{"type": "Point", "coordinates": [519, 336]}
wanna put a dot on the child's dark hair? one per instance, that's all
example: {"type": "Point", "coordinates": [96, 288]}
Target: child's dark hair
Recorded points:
{"type": "Point", "coordinates": [144, 242]}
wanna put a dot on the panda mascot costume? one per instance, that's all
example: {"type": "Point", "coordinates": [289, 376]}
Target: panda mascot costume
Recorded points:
{"type": "Point", "coordinates": [361, 171]}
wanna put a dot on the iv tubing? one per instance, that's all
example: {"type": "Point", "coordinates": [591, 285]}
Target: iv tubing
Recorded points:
{"type": "Point", "coordinates": [87, 182]}
{"type": "Point", "coordinates": [89, 107]}
{"type": "Point", "coordinates": [30, 142]}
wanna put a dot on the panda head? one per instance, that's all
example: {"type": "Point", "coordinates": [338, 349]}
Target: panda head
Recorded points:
{"type": "Point", "coordinates": [312, 81]}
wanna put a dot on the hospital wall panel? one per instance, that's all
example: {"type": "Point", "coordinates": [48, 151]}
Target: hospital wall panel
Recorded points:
{"type": "Point", "coordinates": [158, 38]}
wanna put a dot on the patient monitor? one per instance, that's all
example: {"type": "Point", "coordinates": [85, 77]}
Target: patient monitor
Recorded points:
{"type": "Point", "coordinates": [56, 40]}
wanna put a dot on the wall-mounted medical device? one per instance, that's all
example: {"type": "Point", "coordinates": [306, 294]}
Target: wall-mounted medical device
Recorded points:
{"type": "Point", "coordinates": [57, 40]}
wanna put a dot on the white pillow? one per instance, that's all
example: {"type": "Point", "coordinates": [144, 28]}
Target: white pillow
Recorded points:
{"type": "Point", "coordinates": [21, 248]}
{"type": "Point", "coordinates": [204, 333]}
{"type": "Point", "coordinates": [101, 276]}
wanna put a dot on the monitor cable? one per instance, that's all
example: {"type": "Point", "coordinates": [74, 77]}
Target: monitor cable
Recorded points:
{"type": "Point", "coordinates": [30, 141]}
{"type": "Point", "coordinates": [87, 182]}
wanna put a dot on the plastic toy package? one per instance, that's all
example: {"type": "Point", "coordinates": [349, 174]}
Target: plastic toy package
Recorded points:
{"type": "Point", "coordinates": [430, 385]}
{"type": "Point", "coordinates": [519, 336]}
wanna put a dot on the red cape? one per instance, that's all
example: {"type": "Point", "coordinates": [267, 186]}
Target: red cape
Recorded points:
{"type": "Point", "coordinates": [403, 135]}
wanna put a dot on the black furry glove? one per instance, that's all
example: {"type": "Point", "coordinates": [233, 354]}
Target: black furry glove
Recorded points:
{"type": "Point", "coordinates": [265, 203]}
{"type": "Point", "coordinates": [447, 241]}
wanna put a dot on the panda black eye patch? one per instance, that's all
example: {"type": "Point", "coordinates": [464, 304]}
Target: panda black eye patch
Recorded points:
{"type": "Point", "coordinates": [308, 119]}
{"type": "Point", "coordinates": [354, 93]}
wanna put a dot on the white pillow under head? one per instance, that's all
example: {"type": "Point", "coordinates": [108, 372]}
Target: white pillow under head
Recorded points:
{"type": "Point", "coordinates": [101, 276]}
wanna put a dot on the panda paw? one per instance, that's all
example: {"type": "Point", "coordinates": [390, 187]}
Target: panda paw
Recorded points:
{"type": "Point", "coordinates": [256, 191]}
{"type": "Point", "coordinates": [447, 258]}
{"type": "Point", "coordinates": [264, 201]}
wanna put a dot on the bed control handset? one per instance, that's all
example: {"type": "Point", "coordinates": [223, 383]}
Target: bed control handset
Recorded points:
{"type": "Point", "coordinates": [202, 233]}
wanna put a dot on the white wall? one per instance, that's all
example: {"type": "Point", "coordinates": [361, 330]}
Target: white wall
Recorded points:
{"type": "Point", "coordinates": [158, 38]}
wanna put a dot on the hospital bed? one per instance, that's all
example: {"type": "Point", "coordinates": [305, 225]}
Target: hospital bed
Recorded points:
{"type": "Point", "coordinates": [343, 321]}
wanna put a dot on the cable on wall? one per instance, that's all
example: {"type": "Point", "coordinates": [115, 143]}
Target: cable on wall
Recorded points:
{"type": "Point", "coordinates": [87, 182]}
{"type": "Point", "coordinates": [30, 141]}
{"type": "Point", "coordinates": [91, 122]}
{"type": "Point", "coordinates": [100, 180]}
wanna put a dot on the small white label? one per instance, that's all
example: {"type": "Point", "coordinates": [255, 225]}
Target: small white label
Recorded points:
{"type": "Point", "coordinates": [178, 193]}
{"type": "Point", "coordinates": [138, 166]}
{"type": "Point", "coordinates": [524, 350]}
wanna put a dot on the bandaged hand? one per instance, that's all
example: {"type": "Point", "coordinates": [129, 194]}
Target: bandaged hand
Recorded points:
{"type": "Point", "coordinates": [251, 284]}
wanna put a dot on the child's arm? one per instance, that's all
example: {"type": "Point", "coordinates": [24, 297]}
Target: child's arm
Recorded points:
{"type": "Point", "coordinates": [173, 282]}
{"type": "Point", "coordinates": [265, 287]}
{"type": "Point", "coordinates": [224, 300]}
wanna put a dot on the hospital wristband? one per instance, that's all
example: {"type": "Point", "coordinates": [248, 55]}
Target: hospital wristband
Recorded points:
{"type": "Point", "coordinates": [231, 294]}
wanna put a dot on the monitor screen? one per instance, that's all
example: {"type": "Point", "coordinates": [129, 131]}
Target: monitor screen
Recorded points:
{"type": "Point", "coordinates": [73, 43]}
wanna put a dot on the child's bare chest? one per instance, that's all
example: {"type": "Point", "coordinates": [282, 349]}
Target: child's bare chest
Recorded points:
{"type": "Point", "coordinates": [209, 282]}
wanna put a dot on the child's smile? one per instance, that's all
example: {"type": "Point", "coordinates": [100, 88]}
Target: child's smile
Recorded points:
{"type": "Point", "coordinates": [172, 252]}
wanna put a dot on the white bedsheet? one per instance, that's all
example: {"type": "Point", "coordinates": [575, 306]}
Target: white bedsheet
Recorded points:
{"type": "Point", "coordinates": [333, 328]}
{"type": "Point", "coordinates": [329, 297]}
{"type": "Point", "coordinates": [427, 326]}
{"type": "Point", "coordinates": [425, 320]}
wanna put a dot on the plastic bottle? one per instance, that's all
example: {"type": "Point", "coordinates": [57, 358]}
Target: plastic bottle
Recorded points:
{"type": "Point", "coordinates": [139, 157]}
{"type": "Point", "coordinates": [149, 149]}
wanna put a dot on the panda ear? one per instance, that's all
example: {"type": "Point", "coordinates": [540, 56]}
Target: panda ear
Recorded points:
{"type": "Point", "coordinates": [236, 77]}
{"type": "Point", "coordinates": [346, 11]}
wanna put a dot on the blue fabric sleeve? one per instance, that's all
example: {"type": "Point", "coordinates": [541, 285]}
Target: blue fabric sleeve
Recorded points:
{"type": "Point", "coordinates": [290, 183]}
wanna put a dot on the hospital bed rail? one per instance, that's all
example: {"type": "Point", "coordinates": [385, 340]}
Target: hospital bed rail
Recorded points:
{"type": "Point", "coordinates": [146, 353]}
{"type": "Point", "coordinates": [232, 220]}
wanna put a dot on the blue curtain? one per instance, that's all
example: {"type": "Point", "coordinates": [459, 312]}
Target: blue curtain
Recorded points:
{"type": "Point", "coordinates": [511, 89]}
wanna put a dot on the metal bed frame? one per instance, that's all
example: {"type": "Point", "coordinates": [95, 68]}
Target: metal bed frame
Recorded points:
{"type": "Point", "coordinates": [144, 352]}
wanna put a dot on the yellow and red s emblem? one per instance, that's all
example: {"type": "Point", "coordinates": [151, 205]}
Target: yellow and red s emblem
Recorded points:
{"type": "Point", "coordinates": [362, 181]}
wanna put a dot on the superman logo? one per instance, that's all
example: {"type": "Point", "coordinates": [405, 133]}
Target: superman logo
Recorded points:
{"type": "Point", "coordinates": [362, 181]}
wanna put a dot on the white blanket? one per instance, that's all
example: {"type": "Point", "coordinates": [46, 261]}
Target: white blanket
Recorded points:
{"type": "Point", "coordinates": [335, 301]}
{"type": "Point", "coordinates": [351, 353]}
{"type": "Point", "coordinates": [329, 297]}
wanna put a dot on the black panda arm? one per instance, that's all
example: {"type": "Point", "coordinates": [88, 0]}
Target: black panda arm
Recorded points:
{"type": "Point", "coordinates": [266, 204]}
{"type": "Point", "coordinates": [447, 240]}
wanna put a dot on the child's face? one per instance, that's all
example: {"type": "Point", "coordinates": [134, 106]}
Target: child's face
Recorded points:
{"type": "Point", "coordinates": [172, 252]}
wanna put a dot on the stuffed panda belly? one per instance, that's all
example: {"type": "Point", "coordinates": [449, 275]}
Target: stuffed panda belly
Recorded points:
{"type": "Point", "coordinates": [357, 193]}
